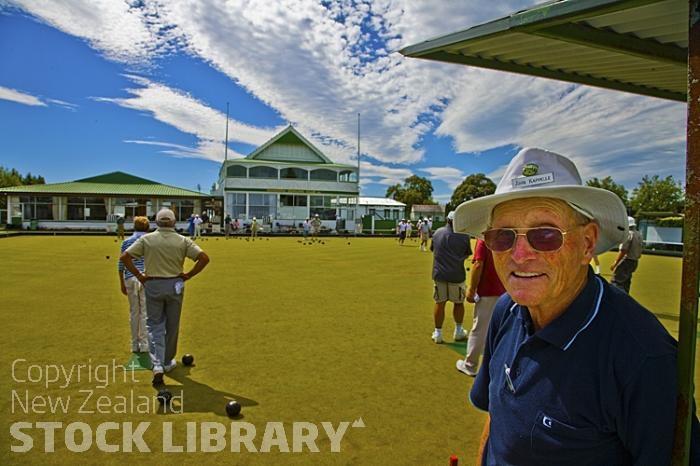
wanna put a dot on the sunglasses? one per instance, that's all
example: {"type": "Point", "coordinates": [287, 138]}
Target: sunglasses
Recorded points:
{"type": "Point", "coordinates": [541, 239]}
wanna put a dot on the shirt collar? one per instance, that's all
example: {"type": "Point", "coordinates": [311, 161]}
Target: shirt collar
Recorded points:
{"type": "Point", "coordinates": [563, 331]}
{"type": "Point", "coordinates": [138, 234]}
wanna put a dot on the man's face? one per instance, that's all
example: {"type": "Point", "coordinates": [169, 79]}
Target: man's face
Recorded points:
{"type": "Point", "coordinates": [547, 280]}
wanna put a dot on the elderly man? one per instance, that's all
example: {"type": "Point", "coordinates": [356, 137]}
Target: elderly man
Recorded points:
{"type": "Point", "coordinates": [164, 252]}
{"type": "Point", "coordinates": [575, 371]}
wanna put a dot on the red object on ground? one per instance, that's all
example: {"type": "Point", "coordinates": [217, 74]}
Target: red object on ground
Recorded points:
{"type": "Point", "coordinates": [453, 461]}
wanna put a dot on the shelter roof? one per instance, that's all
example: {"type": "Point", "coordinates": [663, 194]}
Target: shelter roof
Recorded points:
{"type": "Point", "coordinates": [638, 46]}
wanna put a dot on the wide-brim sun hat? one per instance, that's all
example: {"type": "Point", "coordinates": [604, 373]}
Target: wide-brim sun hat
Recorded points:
{"type": "Point", "coordinates": [537, 172]}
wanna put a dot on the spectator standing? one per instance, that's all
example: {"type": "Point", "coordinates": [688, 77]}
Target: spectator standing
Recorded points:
{"type": "Point", "coordinates": [120, 227]}
{"type": "Point", "coordinates": [197, 227]}
{"type": "Point", "coordinates": [484, 290]}
{"type": "Point", "coordinates": [450, 250]}
{"type": "Point", "coordinates": [424, 231]}
{"type": "Point", "coordinates": [315, 225]}
{"type": "Point", "coordinates": [627, 258]}
{"type": "Point", "coordinates": [227, 225]}
{"type": "Point", "coordinates": [164, 252]}
{"type": "Point", "coordinates": [132, 288]}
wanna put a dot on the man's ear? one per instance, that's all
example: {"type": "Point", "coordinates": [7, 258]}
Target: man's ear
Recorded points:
{"type": "Point", "coordinates": [590, 240]}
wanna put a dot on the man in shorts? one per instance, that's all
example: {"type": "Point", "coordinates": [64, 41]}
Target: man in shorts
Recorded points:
{"type": "Point", "coordinates": [450, 250]}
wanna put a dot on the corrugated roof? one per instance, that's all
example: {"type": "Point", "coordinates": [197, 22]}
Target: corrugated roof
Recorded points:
{"type": "Point", "coordinates": [380, 201]}
{"type": "Point", "coordinates": [109, 184]}
{"type": "Point", "coordinates": [638, 46]}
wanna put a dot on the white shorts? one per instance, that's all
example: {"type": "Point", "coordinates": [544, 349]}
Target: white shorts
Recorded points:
{"type": "Point", "coordinates": [453, 292]}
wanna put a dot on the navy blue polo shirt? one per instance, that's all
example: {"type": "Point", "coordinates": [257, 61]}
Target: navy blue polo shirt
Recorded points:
{"type": "Point", "coordinates": [596, 386]}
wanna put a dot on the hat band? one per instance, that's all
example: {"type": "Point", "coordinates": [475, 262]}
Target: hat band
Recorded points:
{"type": "Point", "coordinates": [581, 210]}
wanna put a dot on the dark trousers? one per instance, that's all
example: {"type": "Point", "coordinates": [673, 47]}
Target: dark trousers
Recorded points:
{"type": "Point", "coordinates": [622, 277]}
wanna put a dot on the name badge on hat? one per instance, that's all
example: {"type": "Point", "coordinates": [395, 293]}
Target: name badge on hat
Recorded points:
{"type": "Point", "coordinates": [531, 177]}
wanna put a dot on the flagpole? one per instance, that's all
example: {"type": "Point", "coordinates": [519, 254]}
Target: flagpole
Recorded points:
{"type": "Point", "coordinates": [357, 198]}
{"type": "Point", "coordinates": [226, 139]}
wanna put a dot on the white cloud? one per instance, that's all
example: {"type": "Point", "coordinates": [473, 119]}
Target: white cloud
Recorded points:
{"type": "Point", "coordinates": [594, 127]}
{"type": "Point", "coordinates": [20, 97]}
{"type": "Point", "coordinates": [63, 103]}
{"type": "Point", "coordinates": [128, 32]}
{"type": "Point", "coordinates": [452, 177]}
{"type": "Point", "coordinates": [187, 114]}
{"type": "Point", "coordinates": [319, 66]}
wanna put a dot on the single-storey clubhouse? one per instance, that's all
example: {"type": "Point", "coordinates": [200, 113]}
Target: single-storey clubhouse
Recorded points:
{"type": "Point", "coordinates": [94, 203]}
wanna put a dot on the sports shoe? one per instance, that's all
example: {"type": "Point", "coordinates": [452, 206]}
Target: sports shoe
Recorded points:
{"type": "Point", "coordinates": [437, 337]}
{"type": "Point", "coordinates": [171, 366]}
{"type": "Point", "coordinates": [464, 369]}
{"type": "Point", "coordinates": [157, 376]}
{"type": "Point", "coordinates": [460, 335]}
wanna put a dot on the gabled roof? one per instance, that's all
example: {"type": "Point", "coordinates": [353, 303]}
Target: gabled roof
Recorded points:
{"type": "Point", "coordinates": [109, 184]}
{"type": "Point", "coordinates": [638, 46]}
{"type": "Point", "coordinates": [288, 136]}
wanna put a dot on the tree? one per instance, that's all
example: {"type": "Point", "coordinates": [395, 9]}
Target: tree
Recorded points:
{"type": "Point", "coordinates": [473, 186]}
{"type": "Point", "coordinates": [14, 178]}
{"type": "Point", "coordinates": [415, 190]}
{"type": "Point", "coordinates": [657, 195]}
{"type": "Point", "coordinates": [11, 177]}
{"type": "Point", "coordinates": [610, 185]}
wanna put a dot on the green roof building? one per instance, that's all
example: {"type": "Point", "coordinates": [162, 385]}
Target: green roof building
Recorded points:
{"type": "Point", "coordinates": [96, 202]}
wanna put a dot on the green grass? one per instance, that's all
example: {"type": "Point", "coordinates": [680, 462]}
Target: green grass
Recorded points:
{"type": "Point", "coordinates": [316, 333]}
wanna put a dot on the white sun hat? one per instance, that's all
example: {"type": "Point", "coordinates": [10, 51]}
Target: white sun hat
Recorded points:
{"type": "Point", "coordinates": [165, 214]}
{"type": "Point", "coordinates": [540, 173]}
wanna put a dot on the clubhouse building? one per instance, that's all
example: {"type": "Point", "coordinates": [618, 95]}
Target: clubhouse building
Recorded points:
{"type": "Point", "coordinates": [95, 203]}
{"type": "Point", "coordinates": [287, 180]}
{"type": "Point", "coordinates": [281, 183]}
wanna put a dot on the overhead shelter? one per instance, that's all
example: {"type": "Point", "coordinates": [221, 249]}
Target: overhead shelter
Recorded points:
{"type": "Point", "coordinates": [647, 47]}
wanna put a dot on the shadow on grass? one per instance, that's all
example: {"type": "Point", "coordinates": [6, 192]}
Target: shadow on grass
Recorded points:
{"type": "Point", "coordinates": [201, 398]}
{"type": "Point", "coordinates": [459, 347]}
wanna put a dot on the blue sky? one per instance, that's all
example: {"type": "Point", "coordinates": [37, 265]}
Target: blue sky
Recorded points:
{"type": "Point", "coordinates": [93, 86]}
